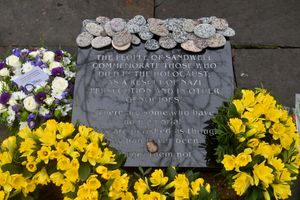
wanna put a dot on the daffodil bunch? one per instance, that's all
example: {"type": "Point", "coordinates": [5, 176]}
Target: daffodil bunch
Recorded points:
{"type": "Point", "coordinates": [258, 145]}
{"type": "Point", "coordinates": [76, 159]}
{"type": "Point", "coordinates": [172, 186]}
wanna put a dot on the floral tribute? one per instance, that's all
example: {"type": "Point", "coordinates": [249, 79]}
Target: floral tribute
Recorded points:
{"type": "Point", "coordinates": [79, 161]}
{"type": "Point", "coordinates": [258, 145]}
{"type": "Point", "coordinates": [35, 85]}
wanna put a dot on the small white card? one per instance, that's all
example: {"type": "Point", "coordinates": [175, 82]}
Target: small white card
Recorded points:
{"type": "Point", "coordinates": [33, 77]}
{"type": "Point", "coordinates": [297, 111]}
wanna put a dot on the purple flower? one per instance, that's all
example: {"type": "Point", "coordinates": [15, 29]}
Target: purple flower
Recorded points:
{"type": "Point", "coordinates": [40, 97]}
{"type": "Point", "coordinates": [38, 61]}
{"type": "Point", "coordinates": [31, 120]}
{"type": "Point", "coordinates": [58, 55]}
{"type": "Point", "coordinates": [16, 52]}
{"type": "Point", "coordinates": [58, 71]}
{"type": "Point", "coordinates": [16, 109]}
{"type": "Point", "coordinates": [24, 55]}
{"type": "Point", "coordinates": [2, 65]}
{"type": "Point", "coordinates": [4, 97]}
{"type": "Point", "coordinates": [64, 95]}
{"type": "Point", "coordinates": [70, 88]}
{"type": "Point", "coordinates": [45, 117]}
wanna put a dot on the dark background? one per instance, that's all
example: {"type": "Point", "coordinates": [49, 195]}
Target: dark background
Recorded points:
{"type": "Point", "coordinates": [266, 48]}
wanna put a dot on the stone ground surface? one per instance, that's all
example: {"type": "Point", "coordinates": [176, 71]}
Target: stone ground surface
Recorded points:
{"type": "Point", "coordinates": [266, 48]}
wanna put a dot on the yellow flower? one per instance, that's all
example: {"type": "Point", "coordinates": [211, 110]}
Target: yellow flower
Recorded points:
{"type": "Point", "coordinates": [83, 191]}
{"type": "Point", "coordinates": [84, 131]}
{"type": "Point", "coordinates": [65, 129]}
{"type": "Point", "coordinates": [196, 186]}
{"type": "Point", "coordinates": [273, 114]}
{"type": "Point", "coordinates": [46, 137]}
{"type": "Point", "coordinates": [31, 164]}
{"type": "Point", "coordinates": [17, 181]}
{"type": "Point", "coordinates": [72, 173]}
{"type": "Point", "coordinates": [281, 191]}
{"type": "Point", "coordinates": [27, 147]}
{"type": "Point", "coordinates": [276, 163]}
{"type": "Point", "coordinates": [44, 154]}
{"type": "Point", "coordinates": [263, 173]}
{"type": "Point", "coordinates": [41, 177]}
{"type": "Point", "coordinates": [155, 196]}
{"type": "Point", "coordinates": [67, 186]}
{"type": "Point", "coordinates": [51, 125]}
{"type": "Point", "coordinates": [236, 125]}
{"type": "Point", "coordinates": [242, 159]}
{"type": "Point", "coordinates": [241, 183]}
{"type": "Point", "coordinates": [5, 158]}
{"type": "Point", "coordinates": [107, 157]}
{"type": "Point", "coordinates": [157, 178]}
{"type": "Point", "coordinates": [5, 181]}
{"type": "Point", "coordinates": [57, 178]}
{"type": "Point", "coordinates": [96, 136]}
{"type": "Point", "coordinates": [62, 147]}
{"type": "Point", "coordinates": [63, 163]}
{"type": "Point", "coordinates": [285, 175]}
{"type": "Point", "coordinates": [265, 150]}
{"type": "Point", "coordinates": [25, 133]}
{"type": "Point", "coordinates": [9, 144]}
{"type": "Point", "coordinates": [29, 187]}
{"type": "Point", "coordinates": [92, 154]}
{"type": "Point", "coordinates": [140, 187]}
{"type": "Point", "coordinates": [286, 140]}
{"type": "Point", "coordinates": [248, 99]}
{"type": "Point", "coordinates": [239, 106]}
{"type": "Point", "coordinates": [119, 185]}
{"type": "Point", "coordinates": [2, 195]}
{"type": "Point", "coordinates": [253, 142]}
{"type": "Point", "coordinates": [79, 142]}
{"type": "Point", "coordinates": [277, 130]}
{"type": "Point", "coordinates": [181, 184]}
{"type": "Point", "coordinates": [229, 162]}
{"type": "Point", "coordinates": [256, 127]}
{"type": "Point", "coordinates": [93, 183]}
{"type": "Point", "coordinates": [127, 196]}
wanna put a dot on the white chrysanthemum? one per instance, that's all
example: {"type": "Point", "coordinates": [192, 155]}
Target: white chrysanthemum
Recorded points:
{"type": "Point", "coordinates": [2, 108]}
{"type": "Point", "coordinates": [43, 111]}
{"type": "Point", "coordinates": [11, 116]}
{"type": "Point", "coordinates": [56, 94]}
{"type": "Point", "coordinates": [66, 60]}
{"type": "Point", "coordinates": [33, 54]}
{"type": "Point", "coordinates": [27, 67]}
{"type": "Point", "coordinates": [4, 72]}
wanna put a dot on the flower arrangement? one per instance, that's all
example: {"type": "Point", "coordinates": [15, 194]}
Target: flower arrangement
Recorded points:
{"type": "Point", "coordinates": [80, 162]}
{"type": "Point", "coordinates": [258, 145]}
{"type": "Point", "coordinates": [35, 85]}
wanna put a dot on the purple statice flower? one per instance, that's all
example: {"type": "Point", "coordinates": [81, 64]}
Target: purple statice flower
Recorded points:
{"type": "Point", "coordinates": [70, 88]}
{"type": "Point", "coordinates": [2, 65]}
{"type": "Point", "coordinates": [40, 97]}
{"type": "Point", "coordinates": [31, 120]}
{"type": "Point", "coordinates": [57, 101]}
{"type": "Point", "coordinates": [16, 52]}
{"type": "Point", "coordinates": [24, 55]}
{"type": "Point", "coordinates": [16, 109]}
{"type": "Point", "coordinates": [38, 61]}
{"type": "Point", "coordinates": [58, 71]}
{"type": "Point", "coordinates": [4, 97]}
{"type": "Point", "coordinates": [58, 55]}
{"type": "Point", "coordinates": [64, 95]}
{"type": "Point", "coordinates": [46, 117]}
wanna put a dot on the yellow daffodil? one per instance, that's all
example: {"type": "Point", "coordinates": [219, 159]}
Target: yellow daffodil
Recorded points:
{"type": "Point", "coordinates": [140, 187]}
{"type": "Point", "coordinates": [65, 130]}
{"type": "Point", "coordinates": [2, 195]}
{"type": "Point", "coordinates": [29, 187]}
{"type": "Point", "coordinates": [242, 159]}
{"type": "Point", "coordinates": [181, 184]}
{"type": "Point", "coordinates": [27, 147]}
{"type": "Point", "coordinates": [253, 143]}
{"type": "Point", "coordinates": [281, 191]}
{"type": "Point", "coordinates": [31, 163]}
{"type": "Point", "coordinates": [239, 106]}
{"type": "Point", "coordinates": [158, 179]}
{"type": "Point", "coordinates": [154, 196]}
{"type": "Point", "coordinates": [41, 177]}
{"type": "Point", "coordinates": [5, 158]}
{"type": "Point", "coordinates": [196, 186]}
{"type": "Point", "coordinates": [9, 144]}
{"type": "Point", "coordinates": [93, 183]}
{"type": "Point", "coordinates": [263, 173]}
{"type": "Point", "coordinates": [57, 178]}
{"type": "Point", "coordinates": [17, 181]}
{"type": "Point", "coordinates": [107, 157]}
{"type": "Point", "coordinates": [92, 154]}
{"type": "Point", "coordinates": [67, 186]}
{"type": "Point", "coordinates": [248, 99]}
{"type": "Point", "coordinates": [236, 125]}
{"type": "Point", "coordinates": [229, 162]}
{"type": "Point", "coordinates": [241, 183]}
{"type": "Point", "coordinates": [44, 154]}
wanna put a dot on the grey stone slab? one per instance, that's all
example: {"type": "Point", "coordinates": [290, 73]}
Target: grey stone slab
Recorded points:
{"type": "Point", "coordinates": [277, 69]}
{"type": "Point", "coordinates": [153, 105]}
{"type": "Point", "coordinates": [255, 21]}
{"type": "Point", "coordinates": [48, 22]}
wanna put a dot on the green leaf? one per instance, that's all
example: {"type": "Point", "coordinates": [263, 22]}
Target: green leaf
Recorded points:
{"type": "Point", "coordinates": [84, 171]}
{"type": "Point", "coordinates": [57, 114]}
{"type": "Point", "coordinates": [171, 173]}
{"type": "Point", "coordinates": [12, 168]}
{"type": "Point", "coordinates": [24, 116]}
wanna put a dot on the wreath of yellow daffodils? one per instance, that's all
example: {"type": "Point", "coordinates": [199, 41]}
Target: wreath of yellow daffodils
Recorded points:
{"type": "Point", "coordinates": [258, 145]}
{"type": "Point", "coordinates": [80, 162]}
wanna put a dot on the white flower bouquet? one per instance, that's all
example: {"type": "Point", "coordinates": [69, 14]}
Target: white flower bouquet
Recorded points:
{"type": "Point", "coordinates": [35, 85]}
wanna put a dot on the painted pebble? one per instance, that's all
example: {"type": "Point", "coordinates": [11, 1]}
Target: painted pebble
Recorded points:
{"type": "Point", "coordinates": [139, 20]}
{"type": "Point", "coordinates": [167, 42]}
{"type": "Point", "coordinates": [189, 25]}
{"type": "Point", "coordinates": [228, 32]}
{"type": "Point", "coordinates": [135, 39]}
{"type": "Point", "coordinates": [100, 42]}
{"type": "Point", "coordinates": [216, 41]}
{"type": "Point", "coordinates": [190, 46]}
{"type": "Point", "coordinates": [180, 36]}
{"type": "Point", "coordinates": [152, 44]}
{"type": "Point", "coordinates": [145, 35]}
{"type": "Point", "coordinates": [219, 23]}
{"type": "Point", "coordinates": [117, 24]}
{"type": "Point", "coordinates": [102, 20]}
{"type": "Point", "coordinates": [204, 30]}
{"type": "Point", "coordinates": [122, 38]}
{"type": "Point", "coordinates": [159, 30]}
{"type": "Point", "coordinates": [84, 39]}
{"type": "Point", "coordinates": [132, 27]}
{"type": "Point", "coordinates": [94, 29]}
{"type": "Point", "coordinates": [108, 29]}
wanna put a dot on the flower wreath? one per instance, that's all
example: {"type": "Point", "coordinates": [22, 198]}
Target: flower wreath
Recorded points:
{"type": "Point", "coordinates": [258, 145]}
{"type": "Point", "coordinates": [80, 162]}
{"type": "Point", "coordinates": [35, 85]}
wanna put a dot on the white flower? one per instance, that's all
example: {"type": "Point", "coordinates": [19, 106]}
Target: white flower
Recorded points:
{"type": "Point", "coordinates": [49, 101]}
{"type": "Point", "coordinates": [66, 60]}
{"type": "Point", "coordinates": [54, 65]}
{"type": "Point", "coordinates": [12, 101]}
{"type": "Point", "coordinates": [33, 54]}
{"type": "Point", "coordinates": [11, 116]}
{"type": "Point", "coordinates": [3, 86]}
{"type": "Point", "coordinates": [22, 125]}
{"type": "Point", "coordinates": [47, 71]}
{"type": "Point", "coordinates": [57, 94]}
{"type": "Point", "coordinates": [69, 73]}
{"type": "Point", "coordinates": [59, 84]}
{"type": "Point", "coordinates": [4, 72]}
{"type": "Point", "coordinates": [43, 111]}
{"type": "Point", "coordinates": [48, 56]}
{"type": "Point", "coordinates": [2, 108]}
{"type": "Point", "coordinates": [27, 67]}
{"type": "Point", "coordinates": [13, 61]}
{"type": "Point", "coordinates": [30, 104]}
{"type": "Point", "coordinates": [20, 95]}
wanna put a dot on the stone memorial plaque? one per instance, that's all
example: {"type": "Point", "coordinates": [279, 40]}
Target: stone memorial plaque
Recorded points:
{"type": "Point", "coordinates": [152, 106]}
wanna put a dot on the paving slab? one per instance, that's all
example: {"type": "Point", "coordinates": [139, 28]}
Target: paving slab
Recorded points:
{"type": "Point", "coordinates": [48, 22]}
{"type": "Point", "coordinates": [273, 22]}
{"type": "Point", "coordinates": [276, 69]}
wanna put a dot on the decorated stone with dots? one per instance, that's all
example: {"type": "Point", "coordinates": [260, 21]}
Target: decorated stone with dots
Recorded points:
{"type": "Point", "coordinates": [84, 39]}
{"type": "Point", "coordinates": [152, 45]}
{"type": "Point", "coordinates": [94, 29]}
{"type": "Point", "coordinates": [204, 30]}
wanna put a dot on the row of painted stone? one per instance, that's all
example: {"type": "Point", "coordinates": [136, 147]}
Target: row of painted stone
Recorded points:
{"type": "Point", "coordinates": [192, 35]}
